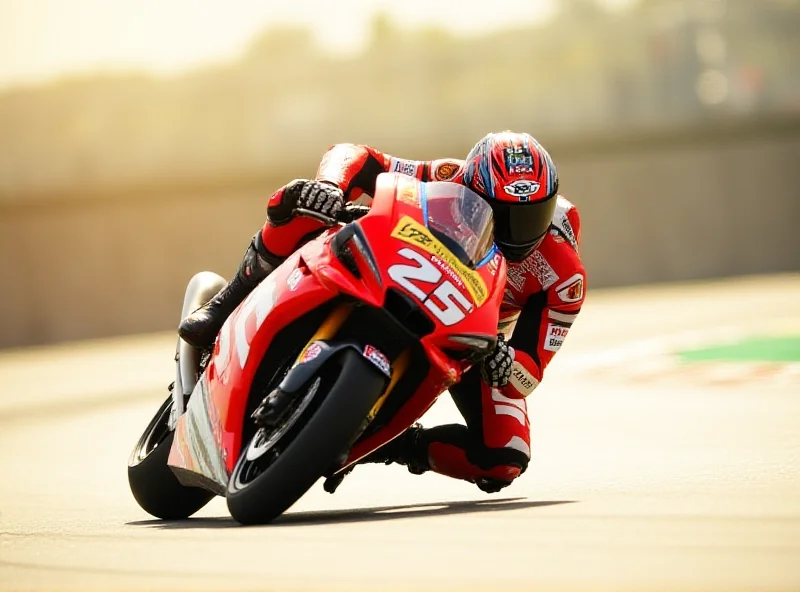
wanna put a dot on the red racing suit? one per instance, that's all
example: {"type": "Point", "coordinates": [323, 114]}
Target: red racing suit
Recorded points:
{"type": "Point", "coordinates": [543, 296]}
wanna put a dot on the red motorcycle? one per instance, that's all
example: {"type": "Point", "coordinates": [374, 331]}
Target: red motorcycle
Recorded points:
{"type": "Point", "coordinates": [341, 349]}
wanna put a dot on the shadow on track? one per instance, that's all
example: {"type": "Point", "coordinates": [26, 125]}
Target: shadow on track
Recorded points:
{"type": "Point", "coordinates": [364, 514]}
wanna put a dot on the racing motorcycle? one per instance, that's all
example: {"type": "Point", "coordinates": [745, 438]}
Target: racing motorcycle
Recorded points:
{"type": "Point", "coordinates": [337, 352]}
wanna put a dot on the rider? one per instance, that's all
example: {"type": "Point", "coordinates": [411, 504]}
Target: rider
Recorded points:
{"type": "Point", "coordinates": [538, 232]}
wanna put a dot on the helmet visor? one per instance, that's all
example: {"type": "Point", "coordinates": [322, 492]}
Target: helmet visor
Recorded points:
{"type": "Point", "coordinates": [522, 224]}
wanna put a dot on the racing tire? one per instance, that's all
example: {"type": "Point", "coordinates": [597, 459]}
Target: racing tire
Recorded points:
{"type": "Point", "coordinates": [153, 484]}
{"type": "Point", "coordinates": [324, 430]}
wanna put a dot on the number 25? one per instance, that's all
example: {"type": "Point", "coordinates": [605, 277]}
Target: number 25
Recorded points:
{"type": "Point", "coordinates": [455, 304]}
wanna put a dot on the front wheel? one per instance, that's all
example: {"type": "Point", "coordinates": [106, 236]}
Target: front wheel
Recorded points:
{"type": "Point", "coordinates": [152, 482]}
{"type": "Point", "coordinates": [276, 468]}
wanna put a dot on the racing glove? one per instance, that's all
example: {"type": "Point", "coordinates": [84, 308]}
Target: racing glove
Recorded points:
{"type": "Point", "coordinates": [322, 198]}
{"type": "Point", "coordinates": [496, 367]}
{"type": "Point", "coordinates": [316, 197]}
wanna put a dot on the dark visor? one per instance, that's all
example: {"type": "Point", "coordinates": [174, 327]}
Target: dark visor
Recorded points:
{"type": "Point", "coordinates": [522, 224]}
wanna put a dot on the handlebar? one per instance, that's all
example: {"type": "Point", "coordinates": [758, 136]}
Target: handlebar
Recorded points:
{"type": "Point", "coordinates": [349, 213]}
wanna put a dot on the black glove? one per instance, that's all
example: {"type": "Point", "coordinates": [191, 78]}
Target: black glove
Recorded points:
{"type": "Point", "coordinates": [317, 197]}
{"type": "Point", "coordinates": [496, 367]}
{"type": "Point", "coordinates": [322, 198]}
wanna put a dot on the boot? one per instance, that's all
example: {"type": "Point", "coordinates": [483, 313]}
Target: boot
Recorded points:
{"type": "Point", "coordinates": [409, 449]}
{"type": "Point", "coordinates": [200, 328]}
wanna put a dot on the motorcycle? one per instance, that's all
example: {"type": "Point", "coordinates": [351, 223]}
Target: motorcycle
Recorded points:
{"type": "Point", "coordinates": [337, 352]}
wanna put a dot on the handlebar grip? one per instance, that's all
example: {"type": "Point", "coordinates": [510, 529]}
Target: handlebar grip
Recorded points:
{"type": "Point", "coordinates": [353, 212]}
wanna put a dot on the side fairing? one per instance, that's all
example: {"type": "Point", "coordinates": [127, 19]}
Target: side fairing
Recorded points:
{"type": "Point", "coordinates": [208, 436]}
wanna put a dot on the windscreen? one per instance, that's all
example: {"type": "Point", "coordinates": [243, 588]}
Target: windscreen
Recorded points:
{"type": "Point", "coordinates": [461, 219]}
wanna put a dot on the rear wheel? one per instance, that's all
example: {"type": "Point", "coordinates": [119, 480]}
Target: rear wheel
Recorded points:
{"type": "Point", "coordinates": [152, 482]}
{"type": "Point", "coordinates": [276, 467]}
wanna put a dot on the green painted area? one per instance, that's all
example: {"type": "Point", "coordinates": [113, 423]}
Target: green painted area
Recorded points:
{"type": "Point", "coordinates": [757, 349]}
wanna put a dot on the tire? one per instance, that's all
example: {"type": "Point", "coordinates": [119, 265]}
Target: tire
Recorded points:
{"type": "Point", "coordinates": [152, 482]}
{"type": "Point", "coordinates": [326, 428]}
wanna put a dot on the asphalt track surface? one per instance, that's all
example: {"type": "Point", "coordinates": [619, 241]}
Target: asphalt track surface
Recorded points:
{"type": "Point", "coordinates": [644, 477]}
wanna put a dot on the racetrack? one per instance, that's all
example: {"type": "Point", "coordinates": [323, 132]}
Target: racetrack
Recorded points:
{"type": "Point", "coordinates": [646, 475]}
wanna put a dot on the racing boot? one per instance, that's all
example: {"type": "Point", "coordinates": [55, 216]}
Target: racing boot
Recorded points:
{"type": "Point", "coordinates": [409, 449]}
{"type": "Point", "coordinates": [200, 328]}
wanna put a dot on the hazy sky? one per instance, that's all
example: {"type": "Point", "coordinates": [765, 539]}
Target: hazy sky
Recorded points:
{"type": "Point", "coordinates": [40, 39]}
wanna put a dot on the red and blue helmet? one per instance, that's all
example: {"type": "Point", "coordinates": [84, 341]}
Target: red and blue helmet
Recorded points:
{"type": "Point", "coordinates": [516, 175]}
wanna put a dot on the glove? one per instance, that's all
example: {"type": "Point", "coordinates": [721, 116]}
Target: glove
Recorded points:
{"type": "Point", "coordinates": [320, 197]}
{"type": "Point", "coordinates": [496, 367]}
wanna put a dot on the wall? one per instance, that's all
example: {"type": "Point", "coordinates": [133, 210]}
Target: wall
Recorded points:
{"type": "Point", "coordinates": [707, 203]}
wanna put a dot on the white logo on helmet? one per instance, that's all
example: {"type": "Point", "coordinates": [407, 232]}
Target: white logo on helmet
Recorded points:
{"type": "Point", "coordinates": [522, 189]}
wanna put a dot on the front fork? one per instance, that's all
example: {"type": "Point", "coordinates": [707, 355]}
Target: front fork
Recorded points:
{"type": "Point", "coordinates": [328, 331]}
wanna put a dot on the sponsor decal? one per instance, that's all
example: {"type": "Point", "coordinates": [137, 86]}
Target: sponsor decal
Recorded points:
{"type": "Point", "coordinates": [413, 277]}
{"type": "Point", "coordinates": [294, 279]}
{"type": "Point", "coordinates": [381, 362]}
{"type": "Point", "coordinates": [447, 270]}
{"type": "Point", "coordinates": [522, 189]}
{"type": "Point", "coordinates": [494, 264]}
{"type": "Point", "coordinates": [405, 167]}
{"type": "Point", "coordinates": [518, 160]}
{"type": "Point", "coordinates": [522, 380]}
{"type": "Point", "coordinates": [198, 437]}
{"type": "Point", "coordinates": [412, 232]}
{"type": "Point", "coordinates": [571, 290]}
{"type": "Point", "coordinates": [566, 227]}
{"type": "Point", "coordinates": [562, 228]}
{"type": "Point", "coordinates": [554, 338]}
{"type": "Point", "coordinates": [312, 351]}
{"type": "Point", "coordinates": [445, 171]}
{"type": "Point", "coordinates": [536, 265]}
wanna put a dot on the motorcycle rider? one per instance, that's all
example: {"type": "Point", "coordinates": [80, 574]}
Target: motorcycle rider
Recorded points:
{"type": "Point", "coordinates": [536, 229]}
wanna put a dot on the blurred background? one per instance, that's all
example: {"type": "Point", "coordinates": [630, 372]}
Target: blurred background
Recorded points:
{"type": "Point", "coordinates": [140, 141]}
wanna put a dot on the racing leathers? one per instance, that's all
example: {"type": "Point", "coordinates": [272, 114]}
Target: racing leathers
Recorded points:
{"type": "Point", "coordinates": [543, 296]}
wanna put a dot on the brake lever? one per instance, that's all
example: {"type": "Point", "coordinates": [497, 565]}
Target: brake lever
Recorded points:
{"type": "Point", "coordinates": [353, 212]}
{"type": "Point", "coordinates": [326, 220]}
{"type": "Point", "coordinates": [350, 213]}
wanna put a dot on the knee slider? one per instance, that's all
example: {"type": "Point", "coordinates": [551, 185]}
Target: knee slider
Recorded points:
{"type": "Point", "coordinates": [502, 477]}
{"type": "Point", "coordinates": [493, 459]}
{"type": "Point", "coordinates": [504, 465]}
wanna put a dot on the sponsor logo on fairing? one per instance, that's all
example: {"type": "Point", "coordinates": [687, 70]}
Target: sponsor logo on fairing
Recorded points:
{"type": "Point", "coordinates": [522, 189]}
{"type": "Point", "coordinates": [554, 338]}
{"type": "Point", "coordinates": [447, 270]}
{"type": "Point", "coordinates": [312, 351]}
{"type": "Point", "coordinates": [381, 362]}
{"type": "Point", "coordinates": [412, 232]}
{"type": "Point", "coordinates": [494, 264]}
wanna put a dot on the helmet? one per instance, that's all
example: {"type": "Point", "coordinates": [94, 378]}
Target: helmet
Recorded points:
{"type": "Point", "coordinates": [516, 175]}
